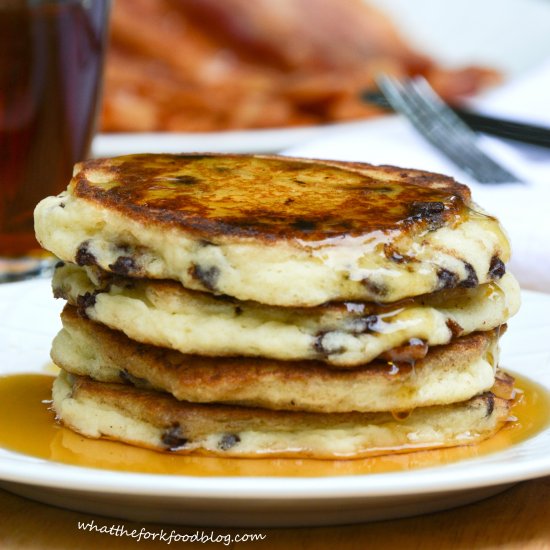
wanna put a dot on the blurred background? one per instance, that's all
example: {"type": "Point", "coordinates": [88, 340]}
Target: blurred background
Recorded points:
{"type": "Point", "coordinates": [211, 65]}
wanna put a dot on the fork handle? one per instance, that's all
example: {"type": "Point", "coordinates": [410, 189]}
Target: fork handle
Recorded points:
{"type": "Point", "coordinates": [508, 129]}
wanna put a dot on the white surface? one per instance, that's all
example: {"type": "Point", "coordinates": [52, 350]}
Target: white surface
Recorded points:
{"type": "Point", "coordinates": [511, 35]}
{"type": "Point", "coordinates": [29, 320]}
{"type": "Point", "coordinates": [523, 209]}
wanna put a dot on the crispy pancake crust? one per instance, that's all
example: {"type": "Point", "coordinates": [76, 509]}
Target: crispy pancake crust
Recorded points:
{"type": "Point", "coordinates": [158, 421]}
{"type": "Point", "coordinates": [275, 230]}
{"type": "Point", "coordinates": [270, 198]}
{"type": "Point", "coordinates": [447, 374]}
{"type": "Point", "coordinates": [345, 335]}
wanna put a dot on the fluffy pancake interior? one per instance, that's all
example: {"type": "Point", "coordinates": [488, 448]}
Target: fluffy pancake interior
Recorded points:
{"type": "Point", "coordinates": [165, 314]}
{"type": "Point", "coordinates": [158, 421]}
{"type": "Point", "coordinates": [447, 374]}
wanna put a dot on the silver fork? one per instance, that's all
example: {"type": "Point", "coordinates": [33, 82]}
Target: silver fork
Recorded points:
{"type": "Point", "coordinates": [437, 123]}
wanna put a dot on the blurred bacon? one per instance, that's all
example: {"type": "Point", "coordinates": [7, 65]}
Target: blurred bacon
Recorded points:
{"type": "Point", "coordinates": [203, 65]}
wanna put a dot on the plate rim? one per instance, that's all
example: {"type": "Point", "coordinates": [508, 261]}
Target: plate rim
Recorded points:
{"type": "Point", "coordinates": [456, 476]}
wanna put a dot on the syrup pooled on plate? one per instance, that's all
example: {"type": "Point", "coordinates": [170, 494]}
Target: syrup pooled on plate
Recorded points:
{"type": "Point", "coordinates": [34, 431]}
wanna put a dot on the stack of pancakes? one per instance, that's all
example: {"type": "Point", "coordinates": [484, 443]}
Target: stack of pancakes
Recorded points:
{"type": "Point", "coordinates": [254, 306]}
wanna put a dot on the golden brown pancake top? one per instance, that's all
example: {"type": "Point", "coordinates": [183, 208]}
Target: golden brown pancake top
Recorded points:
{"type": "Point", "coordinates": [270, 197]}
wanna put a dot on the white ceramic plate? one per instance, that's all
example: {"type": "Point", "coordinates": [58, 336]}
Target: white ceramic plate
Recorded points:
{"type": "Point", "coordinates": [28, 321]}
{"type": "Point", "coordinates": [237, 141]}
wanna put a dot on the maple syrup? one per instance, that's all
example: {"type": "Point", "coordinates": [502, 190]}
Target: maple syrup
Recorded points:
{"type": "Point", "coordinates": [25, 399]}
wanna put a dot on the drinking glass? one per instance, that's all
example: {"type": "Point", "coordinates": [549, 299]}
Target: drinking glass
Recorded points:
{"type": "Point", "coordinates": [51, 62]}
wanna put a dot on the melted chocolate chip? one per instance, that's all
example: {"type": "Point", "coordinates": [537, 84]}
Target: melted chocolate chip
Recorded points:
{"type": "Point", "coordinates": [321, 347]}
{"type": "Point", "coordinates": [173, 438]}
{"type": "Point", "coordinates": [304, 225]}
{"type": "Point", "coordinates": [426, 209]}
{"type": "Point", "coordinates": [59, 264]}
{"type": "Point", "coordinates": [446, 279]}
{"type": "Point", "coordinates": [395, 256]}
{"type": "Point", "coordinates": [490, 403]}
{"type": "Point", "coordinates": [124, 265]}
{"type": "Point", "coordinates": [497, 269]}
{"type": "Point", "coordinates": [186, 179]}
{"type": "Point", "coordinates": [84, 256]}
{"type": "Point", "coordinates": [130, 379]}
{"type": "Point", "coordinates": [318, 344]}
{"type": "Point", "coordinates": [207, 276]}
{"type": "Point", "coordinates": [228, 441]}
{"type": "Point", "coordinates": [375, 288]}
{"type": "Point", "coordinates": [370, 322]}
{"type": "Point", "coordinates": [471, 280]}
{"type": "Point", "coordinates": [85, 301]}
{"type": "Point", "coordinates": [431, 212]}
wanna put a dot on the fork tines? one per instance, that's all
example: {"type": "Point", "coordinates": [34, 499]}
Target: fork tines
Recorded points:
{"type": "Point", "coordinates": [436, 121]}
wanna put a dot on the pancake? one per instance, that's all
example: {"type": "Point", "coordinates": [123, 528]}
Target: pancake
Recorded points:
{"type": "Point", "coordinates": [344, 335]}
{"type": "Point", "coordinates": [447, 374]}
{"type": "Point", "coordinates": [158, 421]}
{"type": "Point", "coordinates": [275, 230]}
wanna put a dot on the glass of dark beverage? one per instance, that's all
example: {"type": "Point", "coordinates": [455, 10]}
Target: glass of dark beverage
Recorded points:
{"type": "Point", "coordinates": [51, 63]}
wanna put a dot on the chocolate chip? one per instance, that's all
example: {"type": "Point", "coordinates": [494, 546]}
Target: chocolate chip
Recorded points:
{"type": "Point", "coordinates": [186, 179]}
{"type": "Point", "coordinates": [207, 276]}
{"type": "Point", "coordinates": [238, 311]}
{"type": "Point", "coordinates": [59, 264]}
{"type": "Point", "coordinates": [228, 441]}
{"type": "Point", "coordinates": [128, 378]}
{"type": "Point", "coordinates": [377, 289]}
{"type": "Point", "coordinates": [471, 280]}
{"type": "Point", "coordinates": [173, 438]}
{"type": "Point", "coordinates": [304, 225]}
{"type": "Point", "coordinates": [318, 344]}
{"type": "Point", "coordinates": [432, 212]}
{"type": "Point", "coordinates": [497, 269]}
{"type": "Point", "coordinates": [61, 205]}
{"type": "Point", "coordinates": [60, 293]}
{"type": "Point", "coordinates": [369, 323]}
{"type": "Point", "coordinates": [124, 265]}
{"type": "Point", "coordinates": [490, 403]}
{"type": "Point", "coordinates": [426, 209]}
{"type": "Point", "coordinates": [323, 347]}
{"type": "Point", "coordinates": [84, 256]}
{"type": "Point", "coordinates": [85, 301]}
{"type": "Point", "coordinates": [395, 256]}
{"type": "Point", "coordinates": [446, 279]}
